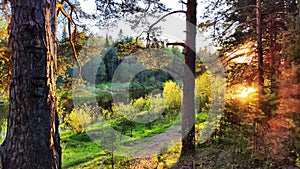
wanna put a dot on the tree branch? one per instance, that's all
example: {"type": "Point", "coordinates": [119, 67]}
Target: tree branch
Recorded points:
{"type": "Point", "coordinates": [181, 1]}
{"type": "Point", "coordinates": [160, 19]}
{"type": "Point", "coordinates": [177, 44]}
{"type": "Point", "coordinates": [59, 7]}
{"type": "Point", "coordinates": [163, 17]}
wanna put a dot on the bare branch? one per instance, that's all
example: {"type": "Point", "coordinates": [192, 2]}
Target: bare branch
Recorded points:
{"type": "Point", "coordinates": [160, 19]}
{"type": "Point", "coordinates": [71, 21]}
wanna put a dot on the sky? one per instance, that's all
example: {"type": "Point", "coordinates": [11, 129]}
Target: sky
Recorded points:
{"type": "Point", "coordinates": [89, 5]}
{"type": "Point", "coordinates": [174, 26]}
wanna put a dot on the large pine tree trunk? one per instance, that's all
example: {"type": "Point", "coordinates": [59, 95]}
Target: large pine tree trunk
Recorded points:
{"type": "Point", "coordinates": [188, 116]}
{"type": "Point", "coordinates": [32, 139]}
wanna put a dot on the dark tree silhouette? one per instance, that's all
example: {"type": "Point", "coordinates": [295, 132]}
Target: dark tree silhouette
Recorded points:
{"type": "Point", "coordinates": [32, 139]}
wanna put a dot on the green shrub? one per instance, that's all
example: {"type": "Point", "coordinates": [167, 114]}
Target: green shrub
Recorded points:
{"type": "Point", "coordinates": [203, 92]}
{"type": "Point", "coordinates": [124, 117]}
{"type": "Point", "coordinates": [173, 95]}
{"type": "Point", "coordinates": [157, 107]}
{"type": "Point", "coordinates": [74, 122]}
{"type": "Point", "coordinates": [79, 118]}
{"type": "Point", "coordinates": [142, 110]}
{"type": "Point", "coordinates": [142, 104]}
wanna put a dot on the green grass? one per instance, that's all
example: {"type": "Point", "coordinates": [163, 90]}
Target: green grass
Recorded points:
{"type": "Point", "coordinates": [141, 130]}
{"type": "Point", "coordinates": [132, 85]}
{"type": "Point", "coordinates": [201, 117]}
{"type": "Point", "coordinates": [79, 151]}
{"type": "Point", "coordinates": [78, 148]}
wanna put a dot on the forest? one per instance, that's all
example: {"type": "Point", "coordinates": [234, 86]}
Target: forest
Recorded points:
{"type": "Point", "coordinates": [153, 84]}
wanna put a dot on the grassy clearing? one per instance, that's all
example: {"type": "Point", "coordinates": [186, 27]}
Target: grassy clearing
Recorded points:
{"type": "Point", "coordinates": [80, 151]}
{"type": "Point", "coordinates": [78, 148]}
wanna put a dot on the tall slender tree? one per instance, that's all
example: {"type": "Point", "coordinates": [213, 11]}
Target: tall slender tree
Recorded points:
{"type": "Point", "coordinates": [259, 54]}
{"type": "Point", "coordinates": [32, 139]}
{"type": "Point", "coordinates": [112, 9]}
{"type": "Point", "coordinates": [188, 116]}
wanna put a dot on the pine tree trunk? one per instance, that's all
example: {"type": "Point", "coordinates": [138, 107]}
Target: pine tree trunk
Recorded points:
{"type": "Point", "coordinates": [260, 55]}
{"type": "Point", "coordinates": [32, 139]}
{"type": "Point", "coordinates": [188, 114]}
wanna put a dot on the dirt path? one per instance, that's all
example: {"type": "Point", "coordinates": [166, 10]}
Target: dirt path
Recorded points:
{"type": "Point", "coordinates": [155, 144]}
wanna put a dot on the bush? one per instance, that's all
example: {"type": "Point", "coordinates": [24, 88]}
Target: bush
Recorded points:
{"type": "Point", "coordinates": [143, 110]}
{"type": "Point", "coordinates": [173, 95]}
{"type": "Point", "coordinates": [203, 92]}
{"type": "Point", "coordinates": [142, 104]}
{"type": "Point", "coordinates": [157, 106]}
{"type": "Point", "coordinates": [74, 123]}
{"type": "Point", "coordinates": [124, 117]}
{"type": "Point", "coordinates": [79, 118]}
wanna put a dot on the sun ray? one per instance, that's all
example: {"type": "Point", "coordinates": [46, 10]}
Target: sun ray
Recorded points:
{"type": "Point", "coordinates": [245, 91]}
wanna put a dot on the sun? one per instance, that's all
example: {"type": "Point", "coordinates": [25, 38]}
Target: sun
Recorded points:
{"type": "Point", "coordinates": [245, 91]}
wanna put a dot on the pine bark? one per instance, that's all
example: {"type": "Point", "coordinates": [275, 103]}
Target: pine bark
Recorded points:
{"type": "Point", "coordinates": [32, 139]}
{"type": "Point", "coordinates": [260, 54]}
{"type": "Point", "coordinates": [188, 114]}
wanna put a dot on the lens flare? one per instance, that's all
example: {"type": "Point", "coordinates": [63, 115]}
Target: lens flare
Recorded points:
{"type": "Point", "coordinates": [246, 91]}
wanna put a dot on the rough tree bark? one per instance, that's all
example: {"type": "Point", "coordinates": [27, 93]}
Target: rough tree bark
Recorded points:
{"type": "Point", "coordinates": [260, 66]}
{"type": "Point", "coordinates": [260, 54]}
{"type": "Point", "coordinates": [32, 139]}
{"type": "Point", "coordinates": [188, 114]}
